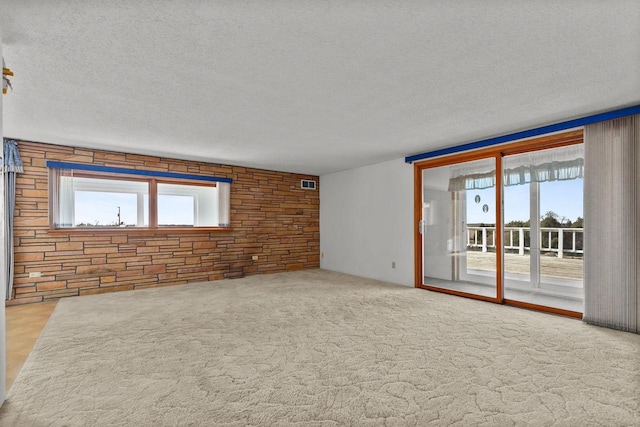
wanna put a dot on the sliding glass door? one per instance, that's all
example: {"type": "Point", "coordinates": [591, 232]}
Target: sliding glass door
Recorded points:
{"type": "Point", "coordinates": [543, 233]}
{"type": "Point", "coordinates": [458, 226]}
{"type": "Point", "coordinates": [505, 225]}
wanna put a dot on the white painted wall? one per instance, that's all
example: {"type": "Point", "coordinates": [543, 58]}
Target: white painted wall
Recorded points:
{"type": "Point", "coordinates": [366, 221]}
{"type": "Point", "coordinates": [3, 330]}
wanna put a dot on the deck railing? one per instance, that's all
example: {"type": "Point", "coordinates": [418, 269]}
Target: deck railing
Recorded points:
{"type": "Point", "coordinates": [552, 239]}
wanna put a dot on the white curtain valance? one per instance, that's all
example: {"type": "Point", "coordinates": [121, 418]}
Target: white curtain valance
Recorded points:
{"type": "Point", "coordinates": [558, 164]}
{"type": "Point", "coordinates": [473, 175]}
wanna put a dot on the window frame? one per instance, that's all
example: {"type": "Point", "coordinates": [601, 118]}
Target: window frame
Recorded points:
{"type": "Point", "coordinates": [139, 176]}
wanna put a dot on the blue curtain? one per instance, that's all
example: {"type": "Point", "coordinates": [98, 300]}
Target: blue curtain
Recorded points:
{"type": "Point", "coordinates": [10, 165]}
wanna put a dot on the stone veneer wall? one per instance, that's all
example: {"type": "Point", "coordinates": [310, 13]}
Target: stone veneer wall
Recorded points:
{"type": "Point", "coordinates": [271, 217]}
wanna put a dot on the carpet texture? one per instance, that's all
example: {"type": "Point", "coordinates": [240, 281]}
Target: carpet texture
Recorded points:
{"type": "Point", "coordinates": [319, 348]}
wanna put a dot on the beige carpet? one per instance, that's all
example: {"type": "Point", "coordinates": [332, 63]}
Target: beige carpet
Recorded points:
{"type": "Point", "coordinates": [319, 348]}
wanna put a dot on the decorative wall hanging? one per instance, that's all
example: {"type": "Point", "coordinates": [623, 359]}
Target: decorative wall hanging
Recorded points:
{"type": "Point", "coordinates": [6, 83]}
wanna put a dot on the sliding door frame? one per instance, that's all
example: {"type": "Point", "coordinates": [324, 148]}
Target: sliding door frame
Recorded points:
{"type": "Point", "coordinates": [571, 137]}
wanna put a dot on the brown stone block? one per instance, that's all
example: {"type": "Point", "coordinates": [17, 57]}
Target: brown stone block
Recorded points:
{"type": "Point", "coordinates": [129, 272]}
{"type": "Point", "coordinates": [28, 256]}
{"type": "Point", "coordinates": [34, 170]}
{"type": "Point", "coordinates": [174, 260]}
{"type": "Point", "coordinates": [100, 269]}
{"type": "Point", "coordinates": [193, 270]}
{"type": "Point", "coordinates": [47, 286]}
{"type": "Point", "coordinates": [91, 240]}
{"type": "Point", "coordinates": [17, 281]}
{"type": "Point", "coordinates": [266, 230]}
{"type": "Point", "coordinates": [62, 254]}
{"type": "Point", "coordinates": [162, 242]}
{"type": "Point", "coordinates": [251, 269]}
{"type": "Point", "coordinates": [139, 158]}
{"type": "Point", "coordinates": [110, 156]}
{"type": "Point", "coordinates": [137, 264]}
{"type": "Point", "coordinates": [177, 168]}
{"type": "Point", "coordinates": [192, 260]}
{"type": "Point", "coordinates": [149, 249]}
{"type": "Point", "coordinates": [271, 268]}
{"type": "Point", "coordinates": [58, 293]}
{"type": "Point", "coordinates": [24, 289]}
{"type": "Point", "coordinates": [100, 250]}
{"type": "Point", "coordinates": [83, 152]}
{"type": "Point", "coordinates": [105, 290]}
{"type": "Point", "coordinates": [28, 154]}
{"type": "Point", "coordinates": [84, 283]}
{"type": "Point", "coordinates": [137, 281]}
{"type": "Point", "coordinates": [193, 238]}
{"type": "Point", "coordinates": [78, 159]}
{"type": "Point", "coordinates": [154, 269]}
{"type": "Point", "coordinates": [35, 193]}
{"type": "Point", "coordinates": [38, 162]}
{"type": "Point", "coordinates": [30, 222]}
{"type": "Point", "coordinates": [293, 267]}
{"type": "Point", "coordinates": [25, 182]}
{"type": "Point", "coordinates": [204, 245]}
{"type": "Point", "coordinates": [119, 239]}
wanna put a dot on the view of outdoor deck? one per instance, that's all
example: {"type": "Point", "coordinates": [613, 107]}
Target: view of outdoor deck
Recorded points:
{"type": "Point", "coordinates": [550, 266]}
{"type": "Point", "coordinates": [565, 263]}
{"type": "Point", "coordinates": [558, 282]}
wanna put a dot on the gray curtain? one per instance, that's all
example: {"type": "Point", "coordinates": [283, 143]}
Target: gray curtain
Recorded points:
{"type": "Point", "coordinates": [612, 232]}
{"type": "Point", "coordinates": [11, 164]}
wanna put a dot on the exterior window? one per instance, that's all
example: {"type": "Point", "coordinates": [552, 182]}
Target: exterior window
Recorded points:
{"type": "Point", "coordinates": [90, 200]}
{"type": "Point", "coordinates": [182, 205]}
{"type": "Point", "coordinates": [96, 202]}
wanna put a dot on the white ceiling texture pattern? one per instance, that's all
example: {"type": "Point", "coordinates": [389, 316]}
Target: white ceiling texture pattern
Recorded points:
{"type": "Point", "coordinates": [310, 86]}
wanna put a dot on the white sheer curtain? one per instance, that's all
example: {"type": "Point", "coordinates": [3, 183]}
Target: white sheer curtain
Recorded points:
{"type": "Point", "coordinates": [61, 197]}
{"type": "Point", "coordinates": [474, 175]}
{"type": "Point", "coordinates": [558, 164]}
{"type": "Point", "coordinates": [612, 233]}
{"type": "Point", "coordinates": [224, 205]}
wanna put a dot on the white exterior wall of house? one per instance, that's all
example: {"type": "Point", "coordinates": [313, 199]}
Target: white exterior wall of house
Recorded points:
{"type": "Point", "coordinates": [366, 222]}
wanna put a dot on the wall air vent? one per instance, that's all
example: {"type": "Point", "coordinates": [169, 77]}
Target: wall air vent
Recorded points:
{"type": "Point", "coordinates": [308, 184]}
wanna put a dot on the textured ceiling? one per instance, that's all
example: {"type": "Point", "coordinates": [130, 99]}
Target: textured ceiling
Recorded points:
{"type": "Point", "coordinates": [309, 86]}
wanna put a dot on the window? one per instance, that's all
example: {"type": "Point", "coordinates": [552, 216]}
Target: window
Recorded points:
{"type": "Point", "coordinates": [182, 205]}
{"type": "Point", "coordinates": [91, 197]}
